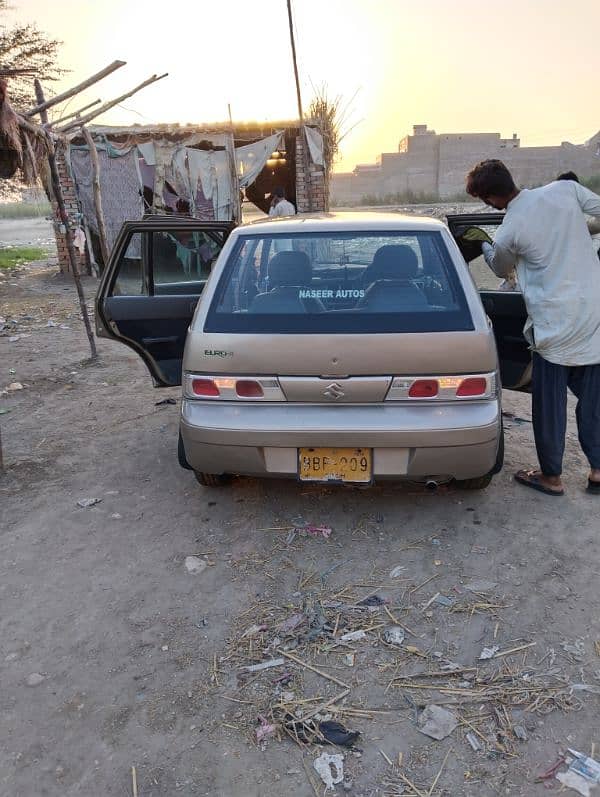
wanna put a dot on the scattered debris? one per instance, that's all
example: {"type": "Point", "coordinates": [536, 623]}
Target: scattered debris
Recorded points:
{"type": "Point", "coordinates": [520, 733]}
{"type": "Point", "coordinates": [583, 773]}
{"type": "Point", "coordinates": [164, 402]}
{"type": "Point", "coordinates": [265, 729]}
{"type": "Point", "coordinates": [335, 733]}
{"type": "Point", "coordinates": [437, 722]}
{"type": "Point", "coordinates": [397, 571]}
{"type": "Point", "coordinates": [264, 665]}
{"type": "Point", "coordinates": [480, 586]}
{"type": "Point", "coordinates": [315, 531]}
{"type": "Point", "coordinates": [442, 600]}
{"type": "Point", "coordinates": [394, 635]}
{"type": "Point", "coordinates": [474, 742]}
{"type": "Point", "coordinates": [489, 653]}
{"type": "Point", "coordinates": [577, 649]}
{"type": "Point", "coordinates": [353, 636]}
{"type": "Point", "coordinates": [35, 679]}
{"type": "Point", "coordinates": [254, 630]}
{"type": "Point", "coordinates": [291, 623]}
{"type": "Point", "coordinates": [14, 338]}
{"type": "Point", "coordinates": [595, 690]}
{"type": "Point", "coordinates": [86, 503]}
{"type": "Point", "coordinates": [372, 600]}
{"type": "Point", "coordinates": [323, 765]}
{"type": "Point", "coordinates": [194, 564]}
{"type": "Point", "coordinates": [349, 659]}
{"type": "Point", "coordinates": [14, 386]}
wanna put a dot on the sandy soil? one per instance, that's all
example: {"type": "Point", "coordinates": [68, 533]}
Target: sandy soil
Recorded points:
{"type": "Point", "coordinates": [139, 661]}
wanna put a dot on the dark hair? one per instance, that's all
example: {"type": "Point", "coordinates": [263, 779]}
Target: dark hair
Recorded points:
{"type": "Point", "coordinates": [278, 191]}
{"type": "Point", "coordinates": [568, 176]}
{"type": "Point", "coordinates": [490, 178]}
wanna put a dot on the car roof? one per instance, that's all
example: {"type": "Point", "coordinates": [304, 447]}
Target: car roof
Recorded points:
{"type": "Point", "coordinates": [345, 221]}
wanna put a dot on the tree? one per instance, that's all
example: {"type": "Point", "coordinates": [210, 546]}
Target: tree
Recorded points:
{"type": "Point", "coordinates": [25, 46]}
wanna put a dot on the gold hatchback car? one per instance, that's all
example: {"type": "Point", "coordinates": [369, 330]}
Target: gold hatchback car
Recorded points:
{"type": "Point", "coordinates": [344, 347]}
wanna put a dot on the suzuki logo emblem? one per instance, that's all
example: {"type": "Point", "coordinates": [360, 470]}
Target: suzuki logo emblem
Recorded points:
{"type": "Point", "coordinates": [334, 391]}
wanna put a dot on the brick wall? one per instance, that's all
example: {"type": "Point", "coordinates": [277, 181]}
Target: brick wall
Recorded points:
{"type": "Point", "coordinates": [312, 195]}
{"type": "Point", "coordinates": [72, 208]}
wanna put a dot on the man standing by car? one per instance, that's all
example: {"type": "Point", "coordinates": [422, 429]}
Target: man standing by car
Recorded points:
{"type": "Point", "coordinates": [545, 236]}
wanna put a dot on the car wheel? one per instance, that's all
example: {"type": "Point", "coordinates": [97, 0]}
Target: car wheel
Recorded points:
{"type": "Point", "coordinates": [212, 479]}
{"type": "Point", "coordinates": [478, 483]}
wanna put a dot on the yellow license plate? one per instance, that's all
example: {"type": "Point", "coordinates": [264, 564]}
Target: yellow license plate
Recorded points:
{"type": "Point", "coordinates": [335, 464]}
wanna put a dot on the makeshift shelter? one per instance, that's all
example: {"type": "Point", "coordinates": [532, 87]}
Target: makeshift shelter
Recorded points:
{"type": "Point", "coordinates": [202, 171]}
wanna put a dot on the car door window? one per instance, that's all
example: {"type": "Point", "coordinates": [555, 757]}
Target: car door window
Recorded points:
{"type": "Point", "coordinates": [484, 277]}
{"type": "Point", "coordinates": [129, 278]}
{"type": "Point", "coordinates": [182, 260]}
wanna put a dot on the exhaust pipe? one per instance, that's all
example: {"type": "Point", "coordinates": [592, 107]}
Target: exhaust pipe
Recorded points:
{"type": "Point", "coordinates": [431, 485]}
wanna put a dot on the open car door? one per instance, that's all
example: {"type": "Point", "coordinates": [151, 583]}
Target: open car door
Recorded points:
{"type": "Point", "coordinates": [149, 290]}
{"type": "Point", "coordinates": [505, 307]}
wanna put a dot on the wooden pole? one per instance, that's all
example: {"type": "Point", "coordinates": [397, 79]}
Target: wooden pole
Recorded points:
{"type": "Point", "coordinates": [43, 106]}
{"type": "Point", "coordinates": [60, 201]}
{"type": "Point", "coordinates": [76, 113]}
{"type": "Point", "coordinates": [104, 248]}
{"type": "Point", "coordinates": [293, 43]}
{"type": "Point", "coordinates": [85, 119]}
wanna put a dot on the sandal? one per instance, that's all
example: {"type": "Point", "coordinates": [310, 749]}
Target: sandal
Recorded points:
{"type": "Point", "coordinates": [531, 478]}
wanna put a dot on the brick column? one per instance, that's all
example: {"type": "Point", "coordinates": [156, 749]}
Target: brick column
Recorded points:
{"type": "Point", "coordinates": [311, 195]}
{"type": "Point", "coordinates": [72, 208]}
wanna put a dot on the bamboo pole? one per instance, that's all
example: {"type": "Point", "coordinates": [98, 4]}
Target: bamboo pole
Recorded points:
{"type": "Point", "coordinates": [104, 248]}
{"type": "Point", "coordinates": [76, 113]}
{"type": "Point", "coordinates": [85, 119]}
{"type": "Point", "coordinates": [43, 106]}
{"type": "Point", "coordinates": [60, 201]}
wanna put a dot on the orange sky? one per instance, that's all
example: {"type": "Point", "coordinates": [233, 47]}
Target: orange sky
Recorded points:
{"type": "Point", "coordinates": [521, 66]}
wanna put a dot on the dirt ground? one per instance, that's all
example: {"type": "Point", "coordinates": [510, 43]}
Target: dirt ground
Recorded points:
{"type": "Point", "coordinates": [113, 655]}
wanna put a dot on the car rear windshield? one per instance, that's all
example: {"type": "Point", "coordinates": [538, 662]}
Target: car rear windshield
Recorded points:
{"type": "Point", "coordinates": [346, 282]}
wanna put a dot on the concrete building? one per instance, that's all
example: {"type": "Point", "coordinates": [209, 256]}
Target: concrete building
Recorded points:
{"type": "Point", "coordinates": [431, 165]}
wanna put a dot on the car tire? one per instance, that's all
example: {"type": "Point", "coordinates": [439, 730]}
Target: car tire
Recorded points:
{"type": "Point", "coordinates": [212, 479]}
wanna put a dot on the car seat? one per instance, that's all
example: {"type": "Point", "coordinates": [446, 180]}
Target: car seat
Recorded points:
{"type": "Point", "coordinates": [390, 280]}
{"type": "Point", "coordinates": [288, 272]}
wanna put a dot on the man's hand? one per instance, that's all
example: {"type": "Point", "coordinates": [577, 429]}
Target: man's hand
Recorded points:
{"type": "Point", "coordinates": [476, 234]}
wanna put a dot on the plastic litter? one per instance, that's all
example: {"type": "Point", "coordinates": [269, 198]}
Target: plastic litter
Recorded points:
{"type": "Point", "coordinates": [193, 564]}
{"type": "Point", "coordinates": [85, 503]}
{"type": "Point", "coordinates": [164, 402]}
{"type": "Point", "coordinates": [315, 531]}
{"type": "Point", "coordinates": [577, 649]}
{"type": "Point", "coordinates": [353, 636]}
{"type": "Point", "coordinates": [583, 773]}
{"type": "Point", "coordinates": [520, 733]}
{"type": "Point", "coordinates": [436, 722]}
{"type": "Point", "coordinates": [480, 586]}
{"type": "Point", "coordinates": [264, 665]}
{"type": "Point", "coordinates": [335, 733]}
{"type": "Point", "coordinates": [265, 729]}
{"type": "Point", "coordinates": [394, 635]}
{"type": "Point", "coordinates": [291, 623]}
{"type": "Point", "coordinates": [323, 767]}
{"type": "Point", "coordinates": [442, 600]}
{"type": "Point", "coordinates": [372, 600]}
{"type": "Point", "coordinates": [474, 742]}
{"type": "Point", "coordinates": [14, 386]}
{"type": "Point", "coordinates": [397, 571]}
{"type": "Point", "coordinates": [489, 653]}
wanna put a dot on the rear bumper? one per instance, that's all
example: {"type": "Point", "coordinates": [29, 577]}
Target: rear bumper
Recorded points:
{"type": "Point", "coordinates": [455, 440]}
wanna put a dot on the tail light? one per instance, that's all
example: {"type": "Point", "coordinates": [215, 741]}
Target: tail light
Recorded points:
{"type": "Point", "coordinates": [473, 386]}
{"type": "Point", "coordinates": [232, 388]}
{"type": "Point", "coordinates": [424, 388]}
{"type": "Point", "coordinates": [442, 388]}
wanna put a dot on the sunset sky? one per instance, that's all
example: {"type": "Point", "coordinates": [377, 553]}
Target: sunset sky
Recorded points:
{"type": "Point", "coordinates": [520, 66]}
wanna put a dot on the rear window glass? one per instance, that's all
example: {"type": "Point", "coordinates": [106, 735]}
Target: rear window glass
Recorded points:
{"type": "Point", "coordinates": [339, 282]}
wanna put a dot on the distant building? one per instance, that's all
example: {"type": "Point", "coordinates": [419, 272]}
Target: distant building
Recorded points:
{"type": "Point", "coordinates": [430, 165]}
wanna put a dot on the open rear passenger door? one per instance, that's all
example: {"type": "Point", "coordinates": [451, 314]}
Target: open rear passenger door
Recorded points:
{"type": "Point", "coordinates": [505, 308]}
{"type": "Point", "coordinates": [149, 290]}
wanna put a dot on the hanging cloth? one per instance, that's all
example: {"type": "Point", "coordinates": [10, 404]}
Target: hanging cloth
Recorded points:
{"type": "Point", "coordinates": [251, 158]}
{"type": "Point", "coordinates": [315, 144]}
